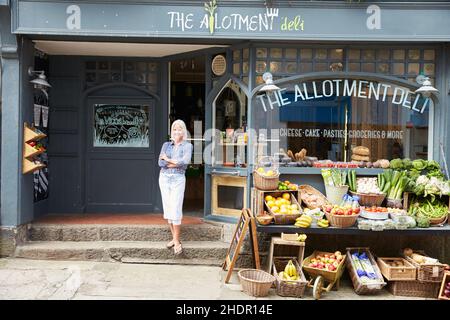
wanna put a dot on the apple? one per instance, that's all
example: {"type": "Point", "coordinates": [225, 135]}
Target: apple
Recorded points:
{"type": "Point", "coordinates": [337, 253]}
{"type": "Point", "coordinates": [331, 267]}
{"type": "Point", "coordinates": [333, 256]}
{"type": "Point", "coordinates": [331, 260]}
{"type": "Point", "coordinates": [336, 264]}
{"type": "Point", "coordinates": [356, 210]}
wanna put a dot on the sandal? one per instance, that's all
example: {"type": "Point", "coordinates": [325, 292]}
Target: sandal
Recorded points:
{"type": "Point", "coordinates": [178, 249]}
{"type": "Point", "coordinates": [170, 245]}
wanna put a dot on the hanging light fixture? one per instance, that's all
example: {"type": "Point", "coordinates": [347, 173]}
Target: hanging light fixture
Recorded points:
{"type": "Point", "coordinates": [41, 81]}
{"type": "Point", "coordinates": [426, 89]}
{"type": "Point", "coordinates": [269, 86]}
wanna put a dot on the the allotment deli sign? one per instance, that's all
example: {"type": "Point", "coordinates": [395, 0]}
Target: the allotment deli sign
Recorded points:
{"type": "Point", "coordinates": [357, 88]}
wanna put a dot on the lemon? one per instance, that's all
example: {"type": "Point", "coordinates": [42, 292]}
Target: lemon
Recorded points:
{"type": "Point", "coordinates": [270, 173]}
{"type": "Point", "coordinates": [283, 210]}
{"type": "Point", "coordinates": [270, 203]}
{"type": "Point", "coordinates": [279, 198]}
{"type": "Point", "coordinates": [278, 203]}
{"type": "Point", "coordinates": [260, 170]}
{"type": "Point", "coordinates": [268, 198]}
{"type": "Point", "coordinates": [275, 209]}
{"type": "Point", "coordinates": [286, 196]}
{"type": "Point", "coordinates": [293, 206]}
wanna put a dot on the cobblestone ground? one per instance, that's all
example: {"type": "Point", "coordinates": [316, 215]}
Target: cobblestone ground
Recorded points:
{"type": "Point", "coordinates": [64, 280]}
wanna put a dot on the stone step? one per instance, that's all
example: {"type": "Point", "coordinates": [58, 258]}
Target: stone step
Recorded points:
{"type": "Point", "coordinates": [195, 252]}
{"type": "Point", "coordinates": [121, 232]}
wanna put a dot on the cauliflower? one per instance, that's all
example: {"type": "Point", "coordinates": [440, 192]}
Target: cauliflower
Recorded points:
{"type": "Point", "coordinates": [423, 180]}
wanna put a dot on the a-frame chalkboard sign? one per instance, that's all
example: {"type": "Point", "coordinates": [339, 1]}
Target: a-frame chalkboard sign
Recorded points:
{"type": "Point", "coordinates": [245, 223]}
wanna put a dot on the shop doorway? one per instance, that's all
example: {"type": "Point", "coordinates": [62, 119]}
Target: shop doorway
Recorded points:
{"type": "Point", "coordinates": [187, 102]}
{"type": "Point", "coordinates": [120, 163]}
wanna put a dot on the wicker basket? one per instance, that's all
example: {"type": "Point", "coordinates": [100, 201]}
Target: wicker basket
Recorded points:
{"type": "Point", "coordinates": [288, 288]}
{"type": "Point", "coordinates": [264, 220]}
{"type": "Point", "coordinates": [255, 282]}
{"type": "Point", "coordinates": [265, 183]}
{"type": "Point", "coordinates": [341, 221]}
{"type": "Point", "coordinates": [358, 285]}
{"type": "Point", "coordinates": [414, 289]}
{"type": "Point", "coordinates": [305, 190]}
{"type": "Point", "coordinates": [437, 221]}
{"type": "Point", "coordinates": [427, 272]}
{"type": "Point", "coordinates": [406, 272]}
{"type": "Point", "coordinates": [369, 199]}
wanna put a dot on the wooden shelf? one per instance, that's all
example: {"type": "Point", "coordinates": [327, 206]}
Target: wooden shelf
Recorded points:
{"type": "Point", "coordinates": [30, 135]}
{"type": "Point", "coordinates": [29, 166]}
{"type": "Point", "coordinates": [30, 151]}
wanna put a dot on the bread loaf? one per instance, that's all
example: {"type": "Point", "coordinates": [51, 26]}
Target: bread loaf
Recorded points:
{"type": "Point", "coordinates": [361, 151]}
{"type": "Point", "coordinates": [360, 158]}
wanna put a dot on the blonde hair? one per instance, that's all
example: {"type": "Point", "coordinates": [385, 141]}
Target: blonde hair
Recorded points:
{"type": "Point", "coordinates": [183, 128]}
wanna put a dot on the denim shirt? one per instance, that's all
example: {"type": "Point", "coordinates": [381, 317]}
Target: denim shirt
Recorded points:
{"type": "Point", "coordinates": [182, 154]}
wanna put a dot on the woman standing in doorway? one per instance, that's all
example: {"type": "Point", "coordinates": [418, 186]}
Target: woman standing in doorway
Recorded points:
{"type": "Point", "coordinates": [174, 158]}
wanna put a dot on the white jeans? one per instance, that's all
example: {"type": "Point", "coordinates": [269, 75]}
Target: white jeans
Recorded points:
{"type": "Point", "coordinates": [172, 187]}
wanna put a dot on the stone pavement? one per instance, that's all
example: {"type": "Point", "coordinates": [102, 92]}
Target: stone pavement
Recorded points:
{"type": "Point", "coordinates": [63, 280]}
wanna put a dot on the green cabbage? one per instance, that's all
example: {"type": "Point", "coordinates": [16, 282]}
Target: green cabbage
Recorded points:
{"type": "Point", "coordinates": [396, 164]}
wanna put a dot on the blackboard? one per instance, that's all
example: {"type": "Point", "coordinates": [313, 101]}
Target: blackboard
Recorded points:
{"type": "Point", "coordinates": [245, 221]}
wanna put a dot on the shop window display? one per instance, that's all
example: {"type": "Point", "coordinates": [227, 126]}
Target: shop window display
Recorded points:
{"type": "Point", "coordinates": [230, 108]}
{"type": "Point", "coordinates": [332, 123]}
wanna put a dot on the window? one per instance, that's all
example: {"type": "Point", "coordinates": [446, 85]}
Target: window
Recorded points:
{"type": "Point", "coordinates": [229, 122]}
{"type": "Point", "coordinates": [141, 73]}
{"type": "Point", "coordinates": [330, 117]}
{"type": "Point", "coordinates": [121, 126]}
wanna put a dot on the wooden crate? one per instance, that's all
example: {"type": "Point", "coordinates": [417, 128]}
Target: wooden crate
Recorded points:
{"type": "Point", "coordinates": [427, 272]}
{"type": "Point", "coordinates": [444, 281]}
{"type": "Point", "coordinates": [359, 285]}
{"type": "Point", "coordinates": [285, 218]}
{"type": "Point", "coordinates": [283, 248]}
{"type": "Point", "coordinates": [258, 202]}
{"type": "Point", "coordinates": [391, 273]}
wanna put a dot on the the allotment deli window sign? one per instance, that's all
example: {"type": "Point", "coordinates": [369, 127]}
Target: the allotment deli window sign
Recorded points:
{"type": "Point", "coordinates": [363, 89]}
{"type": "Point", "coordinates": [329, 117]}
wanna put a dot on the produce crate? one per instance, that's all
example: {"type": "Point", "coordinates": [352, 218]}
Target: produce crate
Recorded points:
{"type": "Point", "coordinates": [427, 272]}
{"type": "Point", "coordinates": [395, 273]}
{"type": "Point", "coordinates": [288, 288]}
{"type": "Point", "coordinates": [258, 203]}
{"type": "Point", "coordinates": [407, 201]}
{"type": "Point", "coordinates": [445, 280]}
{"type": "Point", "coordinates": [414, 289]}
{"type": "Point", "coordinates": [360, 287]}
{"type": "Point", "coordinates": [280, 218]}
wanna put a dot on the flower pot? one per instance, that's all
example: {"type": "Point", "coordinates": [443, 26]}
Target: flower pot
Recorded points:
{"type": "Point", "coordinates": [335, 194]}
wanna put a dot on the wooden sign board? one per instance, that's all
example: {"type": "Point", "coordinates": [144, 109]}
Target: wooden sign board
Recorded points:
{"type": "Point", "coordinates": [246, 221]}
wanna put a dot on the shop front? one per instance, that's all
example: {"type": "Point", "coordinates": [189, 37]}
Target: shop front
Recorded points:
{"type": "Point", "coordinates": [121, 73]}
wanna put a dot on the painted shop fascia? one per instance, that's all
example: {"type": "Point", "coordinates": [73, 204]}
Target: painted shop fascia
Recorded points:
{"type": "Point", "coordinates": [287, 20]}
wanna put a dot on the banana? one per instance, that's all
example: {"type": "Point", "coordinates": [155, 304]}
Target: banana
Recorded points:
{"type": "Point", "coordinates": [302, 238]}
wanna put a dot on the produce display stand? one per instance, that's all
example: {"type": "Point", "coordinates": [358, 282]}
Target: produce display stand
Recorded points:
{"type": "Point", "coordinates": [273, 229]}
{"type": "Point", "coordinates": [318, 276]}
